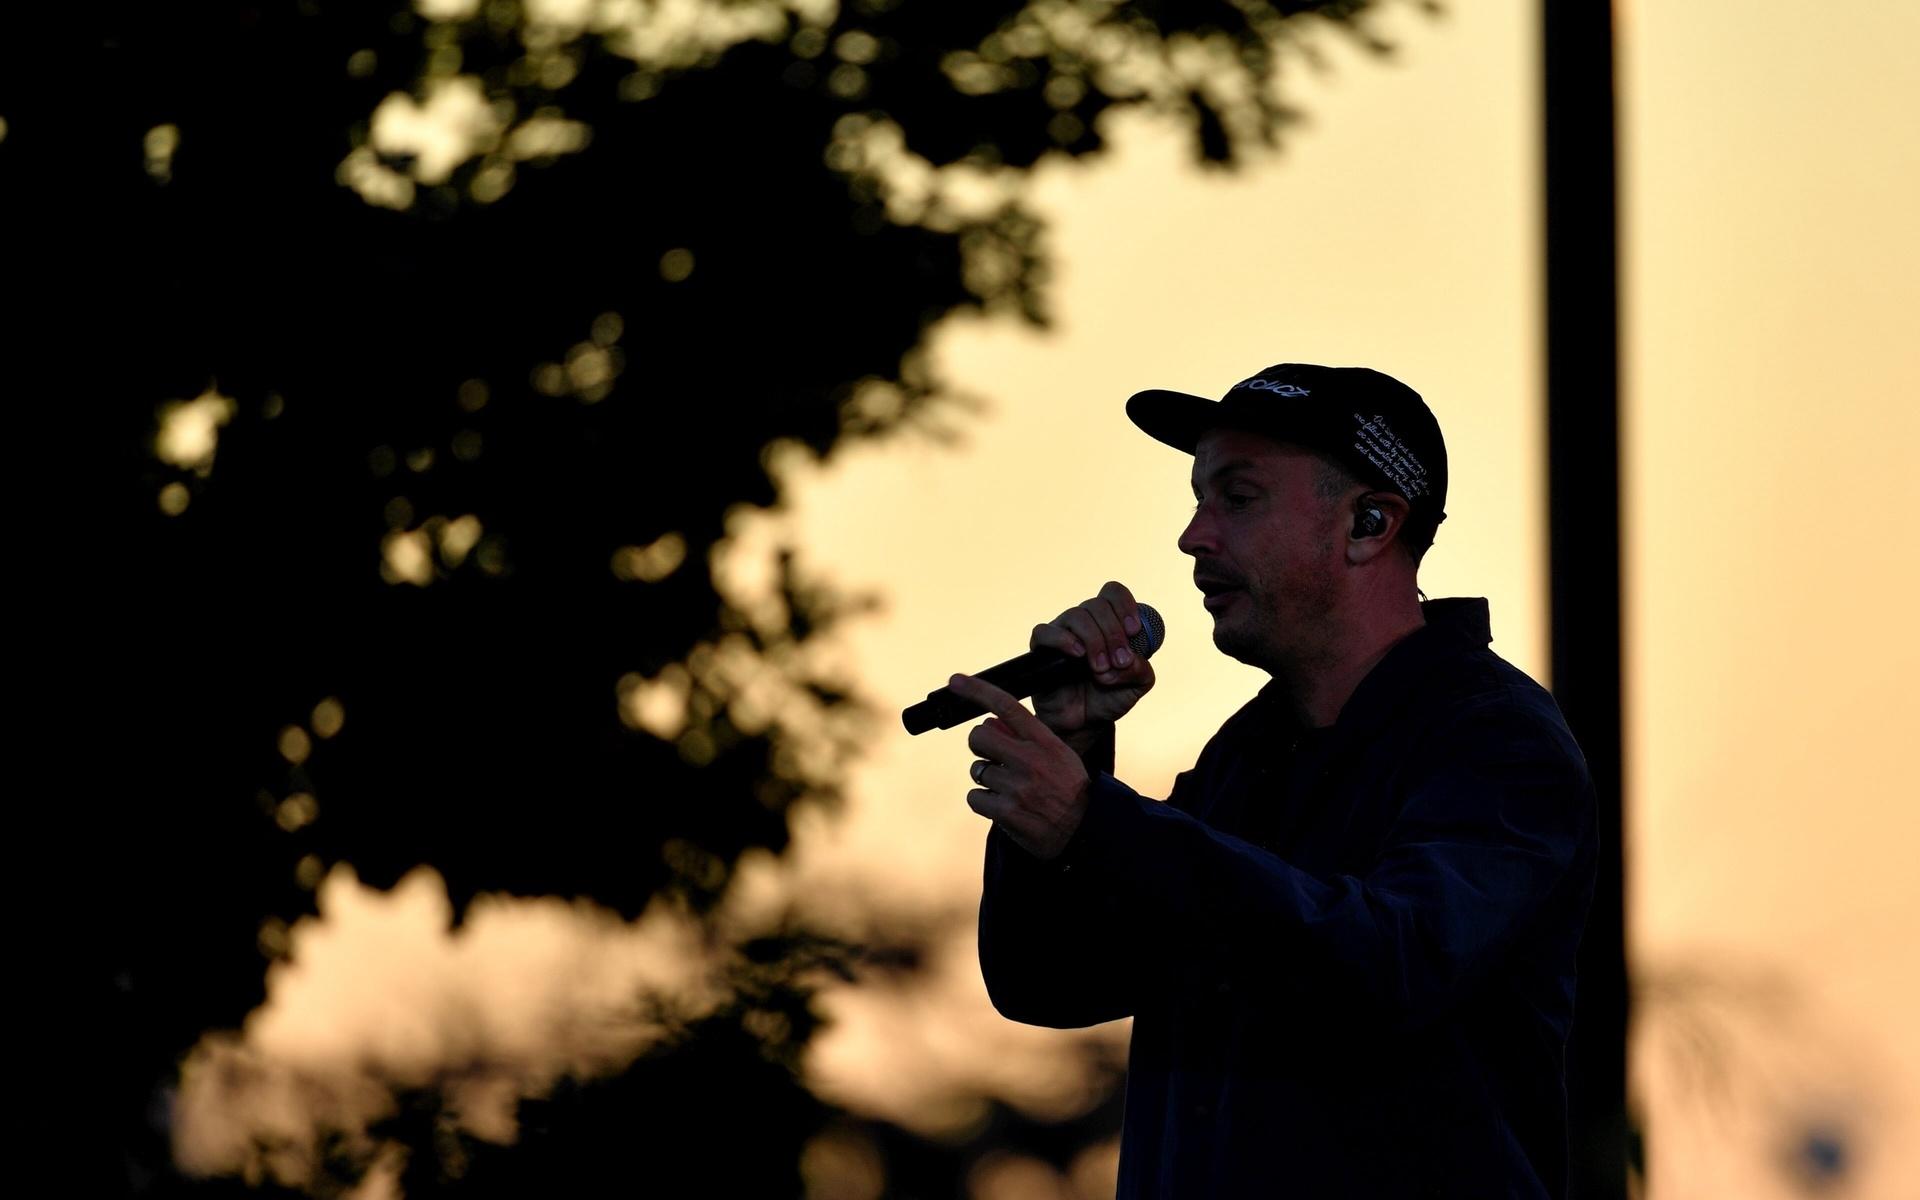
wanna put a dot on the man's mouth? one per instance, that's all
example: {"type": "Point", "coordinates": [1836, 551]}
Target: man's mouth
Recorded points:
{"type": "Point", "coordinates": [1218, 592]}
{"type": "Point", "coordinates": [1219, 599]}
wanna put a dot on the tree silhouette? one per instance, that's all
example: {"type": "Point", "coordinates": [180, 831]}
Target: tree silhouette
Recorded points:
{"type": "Point", "coordinates": [435, 346]}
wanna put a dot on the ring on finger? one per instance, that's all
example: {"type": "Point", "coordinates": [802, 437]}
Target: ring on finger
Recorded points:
{"type": "Point", "coordinates": [979, 770]}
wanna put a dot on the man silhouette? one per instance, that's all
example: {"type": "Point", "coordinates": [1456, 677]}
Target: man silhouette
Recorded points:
{"type": "Point", "coordinates": [1347, 939]}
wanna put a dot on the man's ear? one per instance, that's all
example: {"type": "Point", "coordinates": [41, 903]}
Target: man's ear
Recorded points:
{"type": "Point", "coordinates": [1369, 537]}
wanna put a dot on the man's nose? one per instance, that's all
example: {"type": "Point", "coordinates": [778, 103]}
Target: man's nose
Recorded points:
{"type": "Point", "coordinates": [1197, 538]}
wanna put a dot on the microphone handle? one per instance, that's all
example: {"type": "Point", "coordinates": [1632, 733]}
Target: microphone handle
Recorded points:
{"type": "Point", "coordinates": [1034, 671]}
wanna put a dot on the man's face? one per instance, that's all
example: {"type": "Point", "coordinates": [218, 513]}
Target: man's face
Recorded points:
{"type": "Point", "coordinates": [1267, 550]}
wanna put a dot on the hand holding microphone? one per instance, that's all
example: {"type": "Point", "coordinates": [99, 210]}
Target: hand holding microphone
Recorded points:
{"type": "Point", "coordinates": [1087, 668]}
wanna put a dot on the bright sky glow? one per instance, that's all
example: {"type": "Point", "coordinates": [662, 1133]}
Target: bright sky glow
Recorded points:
{"type": "Point", "coordinates": [1770, 273]}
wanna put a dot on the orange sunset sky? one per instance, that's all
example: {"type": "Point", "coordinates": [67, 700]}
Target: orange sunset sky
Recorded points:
{"type": "Point", "coordinates": [1771, 281]}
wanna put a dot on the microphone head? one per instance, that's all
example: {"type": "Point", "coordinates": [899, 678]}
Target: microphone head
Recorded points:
{"type": "Point", "coordinates": [1153, 631]}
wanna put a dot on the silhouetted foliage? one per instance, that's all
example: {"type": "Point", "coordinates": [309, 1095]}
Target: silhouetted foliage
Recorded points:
{"type": "Point", "coordinates": [468, 435]}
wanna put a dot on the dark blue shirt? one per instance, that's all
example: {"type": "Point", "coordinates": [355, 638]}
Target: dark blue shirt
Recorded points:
{"type": "Point", "coordinates": [1348, 952]}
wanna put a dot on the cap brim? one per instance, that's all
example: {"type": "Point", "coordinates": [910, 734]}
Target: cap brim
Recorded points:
{"type": "Point", "coordinates": [1180, 420]}
{"type": "Point", "coordinates": [1176, 418]}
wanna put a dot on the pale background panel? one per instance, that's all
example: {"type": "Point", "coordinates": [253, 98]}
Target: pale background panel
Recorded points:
{"type": "Point", "coordinates": [1772, 266]}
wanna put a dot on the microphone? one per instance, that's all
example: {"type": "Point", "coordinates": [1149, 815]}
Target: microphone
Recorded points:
{"type": "Point", "coordinates": [1032, 672]}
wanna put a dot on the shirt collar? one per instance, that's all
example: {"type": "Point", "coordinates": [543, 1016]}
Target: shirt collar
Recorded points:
{"type": "Point", "coordinates": [1455, 625]}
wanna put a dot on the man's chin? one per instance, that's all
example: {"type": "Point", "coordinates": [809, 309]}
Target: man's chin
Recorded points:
{"type": "Point", "coordinates": [1231, 641]}
{"type": "Point", "coordinates": [1238, 637]}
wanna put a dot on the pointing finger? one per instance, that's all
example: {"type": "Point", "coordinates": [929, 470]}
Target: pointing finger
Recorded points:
{"type": "Point", "coordinates": [994, 700]}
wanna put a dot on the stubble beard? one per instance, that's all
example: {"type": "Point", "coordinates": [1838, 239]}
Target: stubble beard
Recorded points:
{"type": "Point", "coordinates": [1290, 636]}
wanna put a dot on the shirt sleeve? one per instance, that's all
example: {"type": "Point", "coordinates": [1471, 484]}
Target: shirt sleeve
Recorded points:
{"type": "Point", "coordinates": [1052, 941]}
{"type": "Point", "coordinates": [1494, 825]}
{"type": "Point", "coordinates": [1059, 942]}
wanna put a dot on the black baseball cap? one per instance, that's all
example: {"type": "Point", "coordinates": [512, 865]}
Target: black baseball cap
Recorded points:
{"type": "Point", "coordinates": [1372, 424]}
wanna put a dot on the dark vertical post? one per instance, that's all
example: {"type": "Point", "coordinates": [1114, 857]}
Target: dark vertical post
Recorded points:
{"type": "Point", "coordinates": [1583, 497]}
